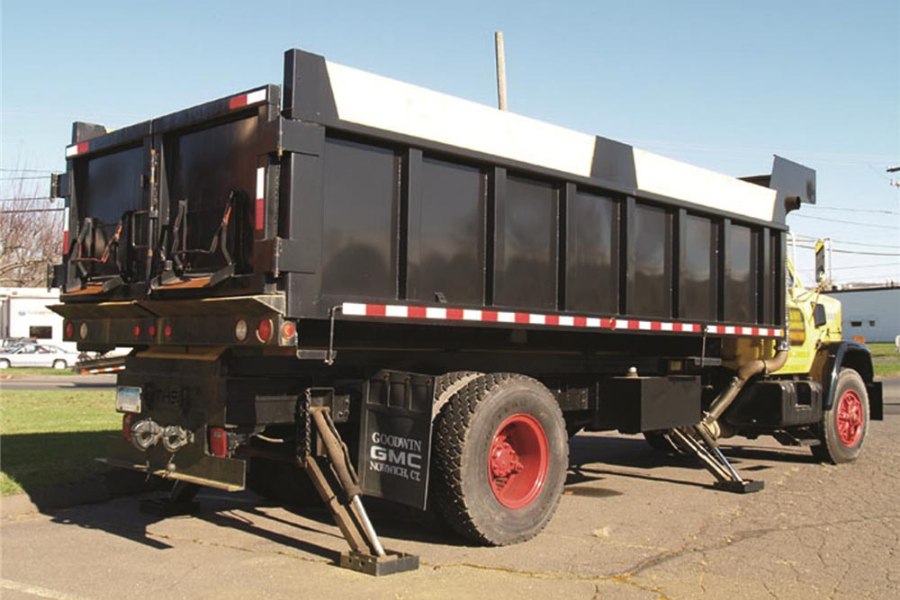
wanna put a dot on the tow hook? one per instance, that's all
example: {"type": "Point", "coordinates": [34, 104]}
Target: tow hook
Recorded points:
{"type": "Point", "coordinates": [174, 438]}
{"type": "Point", "coordinates": [145, 434]}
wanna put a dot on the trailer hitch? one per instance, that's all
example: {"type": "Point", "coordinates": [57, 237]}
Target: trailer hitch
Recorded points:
{"type": "Point", "coordinates": [333, 475]}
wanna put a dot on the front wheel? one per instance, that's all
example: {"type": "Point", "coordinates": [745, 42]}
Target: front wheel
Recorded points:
{"type": "Point", "coordinates": [4, 364]}
{"type": "Point", "coordinates": [500, 458]}
{"type": "Point", "coordinates": [59, 365]}
{"type": "Point", "coordinates": [844, 425]}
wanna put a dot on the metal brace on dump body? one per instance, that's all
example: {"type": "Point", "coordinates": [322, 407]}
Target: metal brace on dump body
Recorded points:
{"type": "Point", "coordinates": [698, 441]}
{"type": "Point", "coordinates": [336, 481]}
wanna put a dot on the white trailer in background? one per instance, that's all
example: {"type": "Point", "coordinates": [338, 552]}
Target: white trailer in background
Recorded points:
{"type": "Point", "coordinates": [24, 314]}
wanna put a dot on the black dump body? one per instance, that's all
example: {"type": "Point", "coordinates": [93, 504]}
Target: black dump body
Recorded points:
{"type": "Point", "coordinates": [308, 216]}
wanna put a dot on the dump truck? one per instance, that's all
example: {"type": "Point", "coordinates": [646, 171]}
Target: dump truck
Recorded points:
{"type": "Point", "coordinates": [348, 286]}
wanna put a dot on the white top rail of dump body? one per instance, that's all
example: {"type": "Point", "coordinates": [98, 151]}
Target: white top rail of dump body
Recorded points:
{"type": "Point", "coordinates": [380, 102]}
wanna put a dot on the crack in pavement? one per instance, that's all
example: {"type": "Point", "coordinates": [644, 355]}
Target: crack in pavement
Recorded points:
{"type": "Point", "coordinates": [740, 537]}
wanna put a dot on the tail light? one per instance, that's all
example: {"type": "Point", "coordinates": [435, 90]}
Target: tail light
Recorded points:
{"type": "Point", "coordinates": [240, 330]}
{"type": "Point", "coordinates": [167, 330]}
{"type": "Point", "coordinates": [264, 330]}
{"type": "Point", "coordinates": [70, 330]}
{"type": "Point", "coordinates": [151, 330]}
{"type": "Point", "coordinates": [218, 442]}
{"type": "Point", "coordinates": [126, 426]}
{"type": "Point", "coordinates": [288, 331]}
{"type": "Point", "coordinates": [136, 331]}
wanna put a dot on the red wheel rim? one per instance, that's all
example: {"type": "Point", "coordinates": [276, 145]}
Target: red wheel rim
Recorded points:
{"type": "Point", "coordinates": [518, 461]}
{"type": "Point", "coordinates": [850, 418]}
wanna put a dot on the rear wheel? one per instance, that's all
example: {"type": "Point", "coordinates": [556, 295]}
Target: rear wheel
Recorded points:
{"type": "Point", "coordinates": [4, 364]}
{"type": "Point", "coordinates": [59, 364]}
{"type": "Point", "coordinates": [844, 426]}
{"type": "Point", "coordinates": [500, 457]}
{"type": "Point", "coordinates": [446, 386]}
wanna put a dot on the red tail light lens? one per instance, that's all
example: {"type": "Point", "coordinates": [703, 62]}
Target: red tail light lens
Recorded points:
{"type": "Point", "coordinates": [288, 330]}
{"type": "Point", "coordinates": [126, 426]}
{"type": "Point", "coordinates": [218, 442]}
{"type": "Point", "coordinates": [167, 330]}
{"type": "Point", "coordinates": [264, 330]}
{"type": "Point", "coordinates": [70, 330]}
{"type": "Point", "coordinates": [151, 330]}
{"type": "Point", "coordinates": [137, 331]}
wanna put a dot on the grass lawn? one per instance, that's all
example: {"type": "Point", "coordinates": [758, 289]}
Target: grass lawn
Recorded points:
{"type": "Point", "coordinates": [886, 359]}
{"type": "Point", "coordinates": [52, 437]}
{"type": "Point", "coordinates": [16, 372]}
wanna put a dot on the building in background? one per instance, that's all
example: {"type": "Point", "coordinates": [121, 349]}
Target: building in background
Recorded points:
{"type": "Point", "coordinates": [871, 313]}
{"type": "Point", "coordinates": [24, 313]}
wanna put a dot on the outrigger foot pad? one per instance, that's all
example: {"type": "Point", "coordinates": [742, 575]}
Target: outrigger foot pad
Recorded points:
{"type": "Point", "coordinates": [392, 562]}
{"type": "Point", "coordinates": [165, 507]}
{"type": "Point", "coordinates": [179, 501]}
{"type": "Point", "coordinates": [745, 486]}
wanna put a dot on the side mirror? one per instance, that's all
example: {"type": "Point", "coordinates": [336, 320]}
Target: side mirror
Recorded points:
{"type": "Point", "coordinates": [819, 317]}
{"type": "Point", "coordinates": [820, 262]}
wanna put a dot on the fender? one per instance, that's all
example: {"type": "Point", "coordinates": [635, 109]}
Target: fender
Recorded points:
{"type": "Point", "coordinates": [855, 356]}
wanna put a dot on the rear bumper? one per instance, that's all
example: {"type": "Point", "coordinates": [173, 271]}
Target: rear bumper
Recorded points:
{"type": "Point", "coordinates": [194, 322]}
{"type": "Point", "coordinates": [221, 473]}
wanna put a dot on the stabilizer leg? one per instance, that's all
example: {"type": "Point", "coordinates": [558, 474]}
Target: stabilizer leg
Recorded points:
{"type": "Point", "coordinates": [335, 479]}
{"type": "Point", "coordinates": [698, 441]}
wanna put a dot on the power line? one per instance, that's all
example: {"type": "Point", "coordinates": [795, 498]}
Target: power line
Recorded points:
{"type": "Point", "coordinates": [857, 252]}
{"type": "Point", "coordinates": [30, 210]}
{"type": "Point", "coordinates": [27, 198]}
{"type": "Point", "coordinates": [858, 210]}
{"type": "Point", "coordinates": [846, 222]}
{"type": "Point", "coordinates": [34, 177]}
{"type": "Point", "coordinates": [813, 238]}
{"type": "Point", "coordinates": [27, 171]}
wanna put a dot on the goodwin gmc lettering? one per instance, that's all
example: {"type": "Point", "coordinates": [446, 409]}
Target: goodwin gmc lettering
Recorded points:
{"type": "Point", "coordinates": [396, 455]}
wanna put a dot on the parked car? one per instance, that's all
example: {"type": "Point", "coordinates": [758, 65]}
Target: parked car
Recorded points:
{"type": "Point", "coordinates": [37, 355]}
{"type": "Point", "coordinates": [7, 344]}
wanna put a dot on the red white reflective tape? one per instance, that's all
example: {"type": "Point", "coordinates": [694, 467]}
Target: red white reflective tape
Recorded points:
{"type": "Point", "coordinates": [744, 330]}
{"type": "Point", "coordinates": [65, 243]}
{"type": "Point", "coordinates": [243, 100]}
{"type": "Point", "coordinates": [441, 313]}
{"type": "Point", "coordinates": [259, 214]}
{"type": "Point", "coordinates": [76, 149]}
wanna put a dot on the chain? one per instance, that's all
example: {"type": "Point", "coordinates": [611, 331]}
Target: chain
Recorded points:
{"type": "Point", "coordinates": [307, 430]}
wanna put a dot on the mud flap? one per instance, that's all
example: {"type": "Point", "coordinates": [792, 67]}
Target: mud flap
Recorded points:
{"type": "Point", "coordinates": [395, 437]}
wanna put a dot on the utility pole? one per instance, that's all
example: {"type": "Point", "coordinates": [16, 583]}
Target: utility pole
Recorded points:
{"type": "Point", "coordinates": [894, 182]}
{"type": "Point", "coordinates": [501, 70]}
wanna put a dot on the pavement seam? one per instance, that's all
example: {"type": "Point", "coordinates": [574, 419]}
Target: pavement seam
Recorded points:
{"type": "Point", "coordinates": [621, 579]}
{"type": "Point", "coordinates": [35, 590]}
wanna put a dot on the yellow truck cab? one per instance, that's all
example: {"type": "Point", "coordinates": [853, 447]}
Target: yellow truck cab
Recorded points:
{"type": "Point", "coordinates": [824, 394]}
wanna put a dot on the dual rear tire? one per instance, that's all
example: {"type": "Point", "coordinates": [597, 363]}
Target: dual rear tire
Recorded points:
{"type": "Point", "coordinates": [500, 456]}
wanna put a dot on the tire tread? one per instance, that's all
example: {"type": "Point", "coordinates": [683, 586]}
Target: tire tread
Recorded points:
{"type": "Point", "coordinates": [451, 430]}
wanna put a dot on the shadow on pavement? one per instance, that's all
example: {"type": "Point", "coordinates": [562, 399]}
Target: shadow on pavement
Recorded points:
{"type": "Point", "coordinates": [59, 469]}
{"type": "Point", "coordinates": [594, 457]}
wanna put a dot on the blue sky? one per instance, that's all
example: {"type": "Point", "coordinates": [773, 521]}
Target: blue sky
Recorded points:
{"type": "Point", "coordinates": [720, 84]}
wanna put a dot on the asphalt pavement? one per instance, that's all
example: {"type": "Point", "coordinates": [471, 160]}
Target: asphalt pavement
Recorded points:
{"type": "Point", "coordinates": [631, 524]}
